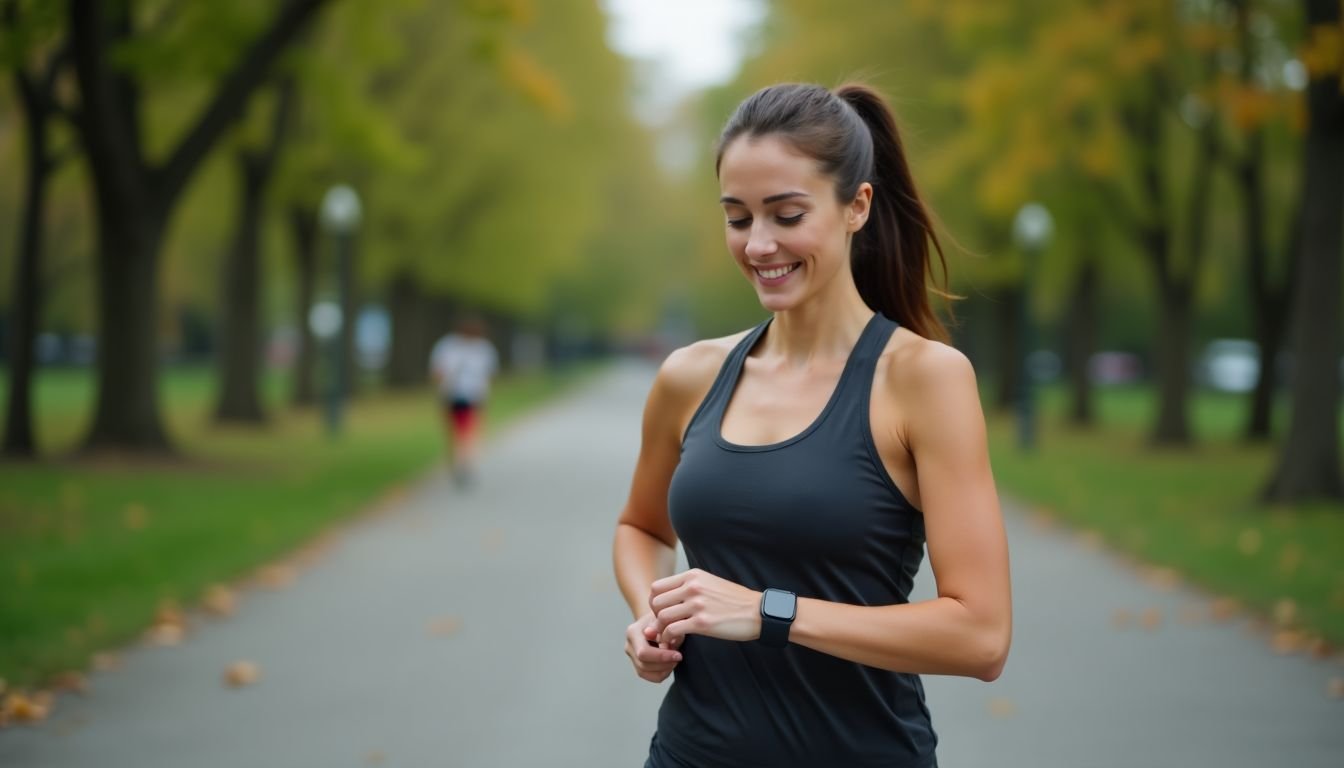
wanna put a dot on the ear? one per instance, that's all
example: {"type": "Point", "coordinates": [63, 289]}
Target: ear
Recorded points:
{"type": "Point", "coordinates": [856, 211]}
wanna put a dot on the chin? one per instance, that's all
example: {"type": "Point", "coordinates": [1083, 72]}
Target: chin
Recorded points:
{"type": "Point", "coordinates": [776, 302]}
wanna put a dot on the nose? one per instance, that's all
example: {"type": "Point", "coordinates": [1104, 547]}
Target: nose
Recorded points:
{"type": "Point", "coordinates": [760, 241]}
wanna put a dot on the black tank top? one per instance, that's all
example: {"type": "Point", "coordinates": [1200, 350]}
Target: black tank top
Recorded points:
{"type": "Point", "coordinates": [818, 515]}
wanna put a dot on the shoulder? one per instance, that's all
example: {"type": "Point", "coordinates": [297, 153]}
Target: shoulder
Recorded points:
{"type": "Point", "coordinates": [932, 386]}
{"type": "Point", "coordinates": [920, 372]}
{"type": "Point", "coordinates": [916, 361]}
{"type": "Point", "coordinates": [688, 372]}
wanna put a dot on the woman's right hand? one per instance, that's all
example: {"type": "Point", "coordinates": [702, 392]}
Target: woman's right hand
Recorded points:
{"type": "Point", "coordinates": [653, 660]}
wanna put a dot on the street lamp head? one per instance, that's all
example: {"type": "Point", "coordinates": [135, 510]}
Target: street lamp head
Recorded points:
{"type": "Point", "coordinates": [1033, 226]}
{"type": "Point", "coordinates": [340, 209]}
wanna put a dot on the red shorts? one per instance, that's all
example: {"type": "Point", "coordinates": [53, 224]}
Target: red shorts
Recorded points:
{"type": "Point", "coordinates": [465, 416]}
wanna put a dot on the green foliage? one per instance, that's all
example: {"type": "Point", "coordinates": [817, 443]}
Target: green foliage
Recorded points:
{"type": "Point", "coordinates": [1005, 103]}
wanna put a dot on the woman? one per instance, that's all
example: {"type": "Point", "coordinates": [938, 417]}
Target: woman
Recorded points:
{"type": "Point", "coordinates": [804, 465]}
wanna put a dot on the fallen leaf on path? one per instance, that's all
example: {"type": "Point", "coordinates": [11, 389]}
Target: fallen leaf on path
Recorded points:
{"type": "Point", "coordinates": [1335, 688]}
{"type": "Point", "coordinates": [219, 601]}
{"type": "Point", "coordinates": [1288, 641]}
{"type": "Point", "coordinates": [445, 626]}
{"type": "Point", "coordinates": [1001, 707]}
{"type": "Point", "coordinates": [169, 625]}
{"type": "Point", "coordinates": [1225, 609]}
{"type": "Point", "coordinates": [165, 635]}
{"type": "Point", "coordinates": [375, 757]}
{"type": "Point", "coordinates": [275, 576]}
{"type": "Point", "coordinates": [1250, 541]}
{"type": "Point", "coordinates": [241, 673]}
{"type": "Point", "coordinates": [169, 612]}
{"type": "Point", "coordinates": [18, 707]}
{"type": "Point", "coordinates": [1122, 618]}
{"type": "Point", "coordinates": [70, 682]}
{"type": "Point", "coordinates": [1151, 619]}
{"type": "Point", "coordinates": [1320, 648]}
{"type": "Point", "coordinates": [1165, 579]}
{"type": "Point", "coordinates": [1192, 614]}
{"type": "Point", "coordinates": [105, 661]}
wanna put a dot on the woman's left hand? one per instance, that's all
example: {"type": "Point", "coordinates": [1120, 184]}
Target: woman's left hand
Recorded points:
{"type": "Point", "coordinates": [698, 603]}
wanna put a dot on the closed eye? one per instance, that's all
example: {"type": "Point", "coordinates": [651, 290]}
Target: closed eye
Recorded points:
{"type": "Point", "coordinates": [789, 221]}
{"type": "Point", "coordinates": [741, 223]}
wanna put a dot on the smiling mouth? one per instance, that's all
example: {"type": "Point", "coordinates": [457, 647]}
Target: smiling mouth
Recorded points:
{"type": "Point", "coordinates": [775, 273]}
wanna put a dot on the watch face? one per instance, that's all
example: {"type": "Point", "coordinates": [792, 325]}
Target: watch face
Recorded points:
{"type": "Point", "coordinates": [779, 605]}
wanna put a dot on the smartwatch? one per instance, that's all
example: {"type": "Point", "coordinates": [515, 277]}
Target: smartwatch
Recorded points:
{"type": "Point", "coordinates": [778, 608]}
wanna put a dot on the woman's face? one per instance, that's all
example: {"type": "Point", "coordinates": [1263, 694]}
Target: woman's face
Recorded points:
{"type": "Point", "coordinates": [785, 228]}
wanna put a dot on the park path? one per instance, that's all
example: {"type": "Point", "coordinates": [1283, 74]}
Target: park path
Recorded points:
{"type": "Point", "coordinates": [483, 628]}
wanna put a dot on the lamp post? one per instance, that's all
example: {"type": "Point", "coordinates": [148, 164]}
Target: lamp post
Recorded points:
{"type": "Point", "coordinates": [340, 219]}
{"type": "Point", "coordinates": [1032, 228]}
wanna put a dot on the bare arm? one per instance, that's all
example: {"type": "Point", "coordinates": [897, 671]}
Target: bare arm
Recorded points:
{"type": "Point", "coordinates": [966, 629]}
{"type": "Point", "coordinates": [644, 549]}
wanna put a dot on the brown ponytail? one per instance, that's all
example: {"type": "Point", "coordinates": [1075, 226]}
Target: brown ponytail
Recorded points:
{"type": "Point", "coordinates": [852, 134]}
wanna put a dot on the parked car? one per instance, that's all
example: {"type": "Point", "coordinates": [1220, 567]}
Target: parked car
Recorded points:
{"type": "Point", "coordinates": [1230, 365]}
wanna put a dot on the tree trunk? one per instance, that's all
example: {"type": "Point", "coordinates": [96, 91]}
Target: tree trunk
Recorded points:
{"type": "Point", "coordinates": [1269, 298]}
{"type": "Point", "coordinates": [1006, 329]}
{"type": "Point", "coordinates": [134, 198]}
{"type": "Point", "coordinates": [1271, 316]}
{"type": "Point", "coordinates": [1309, 462]}
{"type": "Point", "coordinates": [26, 305]}
{"type": "Point", "coordinates": [406, 365]}
{"type": "Point", "coordinates": [303, 226]}
{"type": "Point", "coordinates": [241, 351]}
{"type": "Point", "coordinates": [1082, 342]}
{"type": "Point", "coordinates": [241, 339]}
{"type": "Point", "coordinates": [126, 414]}
{"type": "Point", "coordinates": [1176, 306]}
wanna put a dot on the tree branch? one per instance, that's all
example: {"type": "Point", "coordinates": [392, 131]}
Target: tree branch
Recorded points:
{"type": "Point", "coordinates": [232, 96]}
{"type": "Point", "coordinates": [111, 151]}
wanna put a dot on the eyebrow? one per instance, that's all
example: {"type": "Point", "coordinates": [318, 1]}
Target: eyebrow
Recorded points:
{"type": "Point", "coordinates": [766, 201]}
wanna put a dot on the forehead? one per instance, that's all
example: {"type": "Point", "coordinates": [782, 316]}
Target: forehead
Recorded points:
{"type": "Point", "coordinates": [754, 167]}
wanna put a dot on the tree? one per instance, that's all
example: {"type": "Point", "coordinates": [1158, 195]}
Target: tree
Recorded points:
{"type": "Point", "coordinates": [135, 197]}
{"type": "Point", "coordinates": [31, 35]}
{"type": "Point", "coordinates": [241, 336]}
{"type": "Point", "coordinates": [1308, 465]}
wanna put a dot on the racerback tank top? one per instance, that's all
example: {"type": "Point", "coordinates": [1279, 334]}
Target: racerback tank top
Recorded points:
{"type": "Point", "coordinates": [818, 515]}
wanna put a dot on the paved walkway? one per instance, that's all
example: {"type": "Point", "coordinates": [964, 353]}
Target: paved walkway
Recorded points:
{"type": "Point", "coordinates": [484, 629]}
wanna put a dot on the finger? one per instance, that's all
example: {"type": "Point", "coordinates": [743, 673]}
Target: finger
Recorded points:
{"type": "Point", "coordinates": [669, 582]}
{"type": "Point", "coordinates": [652, 654]}
{"type": "Point", "coordinates": [678, 630]}
{"type": "Point", "coordinates": [660, 601]}
{"type": "Point", "coordinates": [673, 613]}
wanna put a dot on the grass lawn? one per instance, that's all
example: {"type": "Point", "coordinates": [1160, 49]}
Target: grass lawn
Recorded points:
{"type": "Point", "coordinates": [1194, 511]}
{"type": "Point", "coordinates": [90, 549]}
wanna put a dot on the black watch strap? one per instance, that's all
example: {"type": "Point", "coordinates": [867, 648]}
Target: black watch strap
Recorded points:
{"type": "Point", "coordinates": [778, 608]}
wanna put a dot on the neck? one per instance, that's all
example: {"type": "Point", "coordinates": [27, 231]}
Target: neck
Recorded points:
{"type": "Point", "coordinates": [826, 327]}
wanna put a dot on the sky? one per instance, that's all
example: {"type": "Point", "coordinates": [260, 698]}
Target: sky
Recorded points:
{"type": "Point", "coordinates": [688, 44]}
